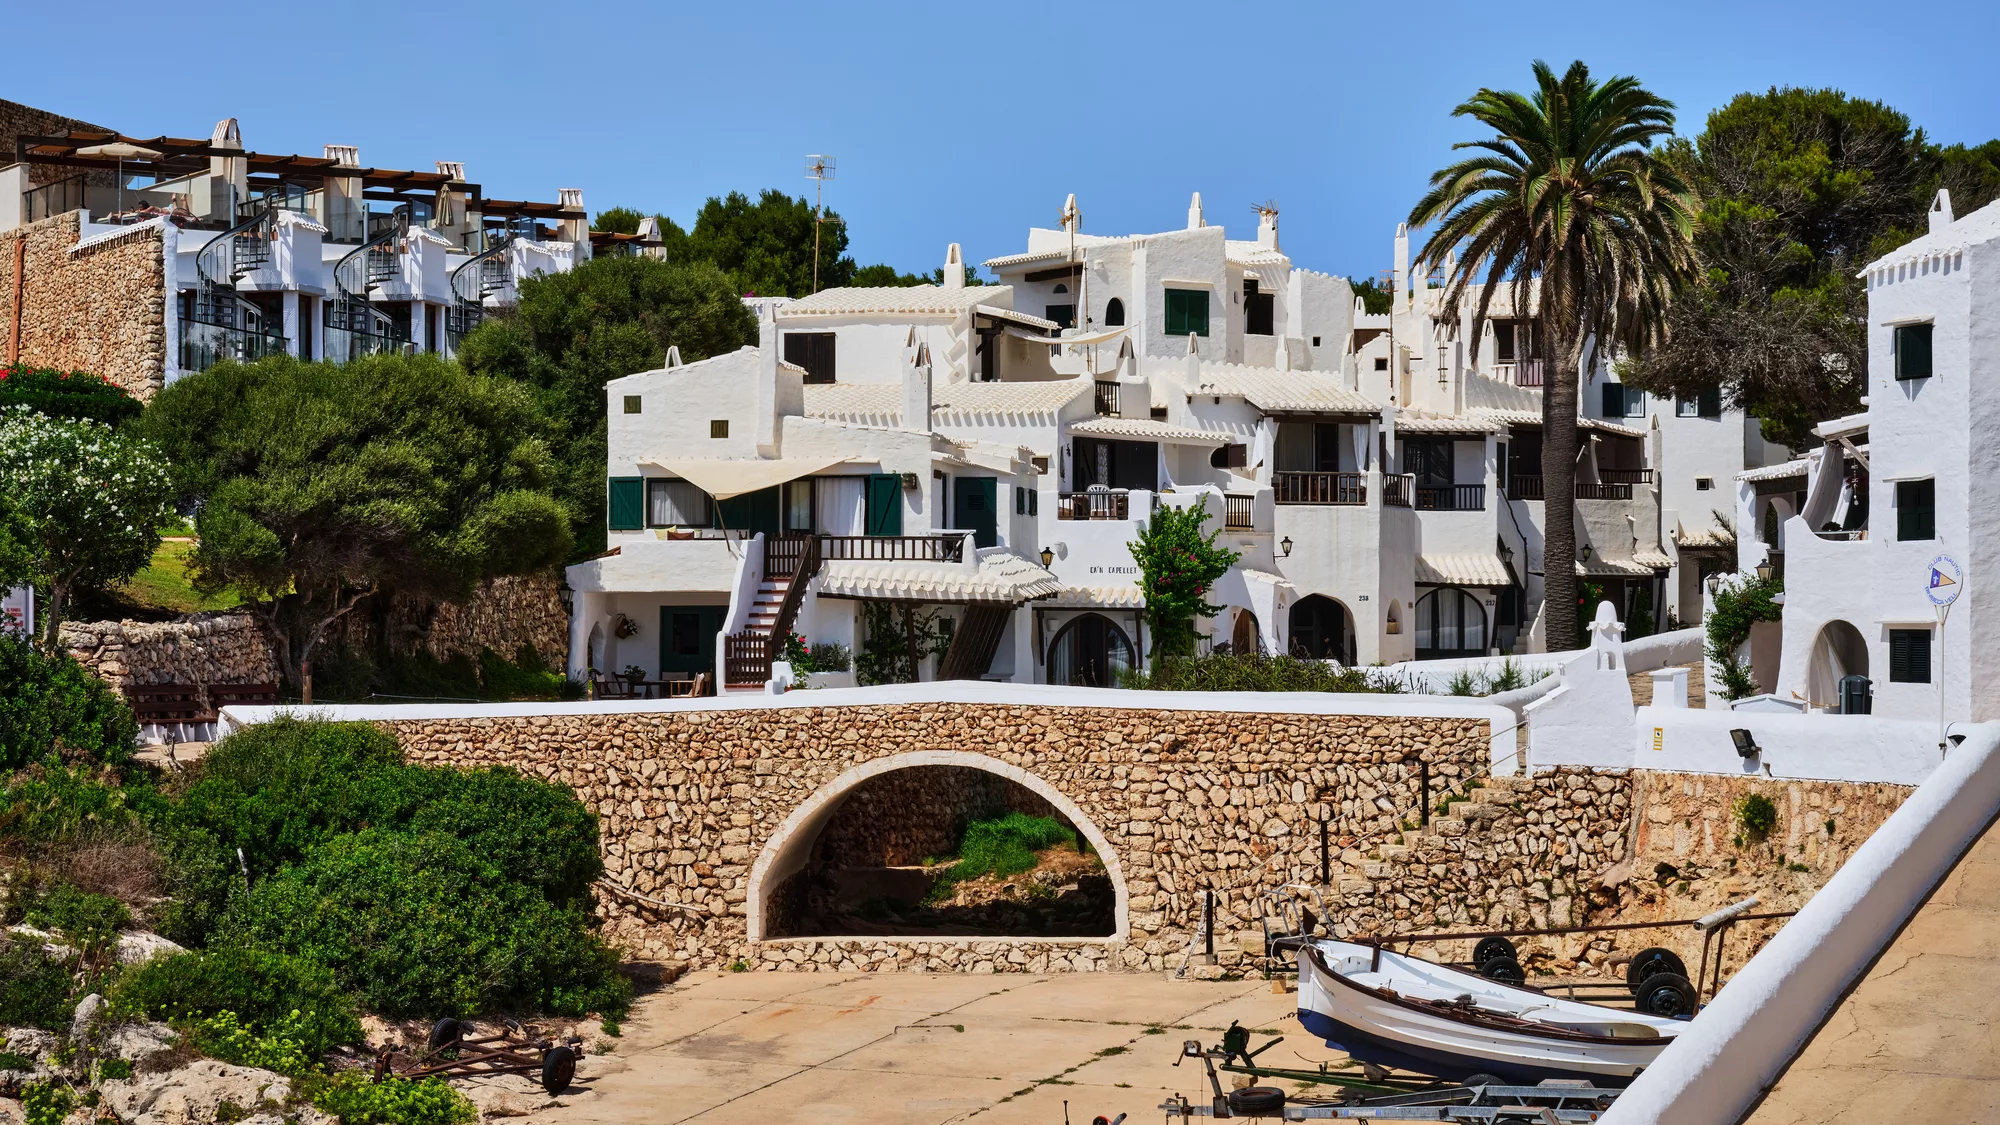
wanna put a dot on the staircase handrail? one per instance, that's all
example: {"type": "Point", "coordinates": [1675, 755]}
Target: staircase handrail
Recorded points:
{"type": "Point", "coordinates": [210, 261]}
{"type": "Point", "coordinates": [469, 308]}
{"type": "Point", "coordinates": [788, 610]}
{"type": "Point", "coordinates": [346, 298]}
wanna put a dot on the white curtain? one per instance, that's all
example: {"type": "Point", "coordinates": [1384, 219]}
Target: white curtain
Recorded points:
{"type": "Point", "coordinates": [676, 503]}
{"type": "Point", "coordinates": [842, 505]}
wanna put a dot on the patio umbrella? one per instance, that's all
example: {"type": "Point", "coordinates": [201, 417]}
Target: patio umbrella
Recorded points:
{"type": "Point", "coordinates": [121, 151]}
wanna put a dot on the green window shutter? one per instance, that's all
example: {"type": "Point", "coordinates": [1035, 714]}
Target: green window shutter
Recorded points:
{"type": "Point", "coordinates": [1187, 311]}
{"type": "Point", "coordinates": [626, 503]}
{"type": "Point", "coordinates": [1916, 509]}
{"type": "Point", "coordinates": [1197, 313]}
{"type": "Point", "coordinates": [885, 505]}
{"type": "Point", "coordinates": [1913, 351]}
{"type": "Point", "coordinates": [1710, 403]}
{"type": "Point", "coordinates": [1614, 400]}
{"type": "Point", "coordinates": [1176, 313]}
{"type": "Point", "coordinates": [1910, 656]}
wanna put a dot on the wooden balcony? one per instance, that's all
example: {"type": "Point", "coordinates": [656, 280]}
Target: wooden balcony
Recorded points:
{"type": "Point", "coordinates": [1102, 504]}
{"type": "Point", "coordinates": [1451, 498]}
{"type": "Point", "coordinates": [1320, 488]}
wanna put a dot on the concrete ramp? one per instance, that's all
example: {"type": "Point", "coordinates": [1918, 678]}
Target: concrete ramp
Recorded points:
{"type": "Point", "coordinates": [1916, 1040]}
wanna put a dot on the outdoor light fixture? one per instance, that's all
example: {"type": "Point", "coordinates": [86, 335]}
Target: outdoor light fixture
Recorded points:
{"type": "Point", "coordinates": [1048, 558]}
{"type": "Point", "coordinates": [1714, 581]}
{"type": "Point", "coordinates": [1583, 552]}
{"type": "Point", "coordinates": [1764, 570]}
{"type": "Point", "coordinates": [1285, 545]}
{"type": "Point", "coordinates": [1746, 746]}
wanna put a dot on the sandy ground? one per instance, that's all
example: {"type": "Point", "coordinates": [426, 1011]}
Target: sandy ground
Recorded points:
{"type": "Point", "coordinates": [889, 1048]}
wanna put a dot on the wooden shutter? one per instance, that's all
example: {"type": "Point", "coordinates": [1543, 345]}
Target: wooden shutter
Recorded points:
{"type": "Point", "coordinates": [1176, 307]}
{"type": "Point", "coordinates": [1197, 311]}
{"type": "Point", "coordinates": [885, 504]}
{"type": "Point", "coordinates": [1913, 351]}
{"type": "Point", "coordinates": [1910, 656]}
{"type": "Point", "coordinates": [625, 503]}
{"type": "Point", "coordinates": [1614, 400]}
{"type": "Point", "coordinates": [1710, 403]}
{"type": "Point", "coordinates": [1916, 509]}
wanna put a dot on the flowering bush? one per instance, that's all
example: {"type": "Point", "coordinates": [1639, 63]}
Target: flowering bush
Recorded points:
{"type": "Point", "coordinates": [87, 504]}
{"type": "Point", "coordinates": [826, 656]}
{"type": "Point", "coordinates": [66, 394]}
{"type": "Point", "coordinates": [1178, 566]}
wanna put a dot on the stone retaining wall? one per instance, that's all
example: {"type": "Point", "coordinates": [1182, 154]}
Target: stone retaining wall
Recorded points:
{"type": "Point", "coordinates": [502, 615]}
{"type": "Point", "coordinates": [101, 309]}
{"type": "Point", "coordinates": [1186, 801]}
{"type": "Point", "coordinates": [207, 648]}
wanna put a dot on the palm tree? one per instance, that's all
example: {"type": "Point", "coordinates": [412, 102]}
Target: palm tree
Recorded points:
{"type": "Point", "coordinates": [1568, 191]}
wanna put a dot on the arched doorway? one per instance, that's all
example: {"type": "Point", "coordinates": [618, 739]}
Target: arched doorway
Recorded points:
{"type": "Point", "coordinates": [1090, 651]}
{"type": "Point", "coordinates": [1245, 637]}
{"type": "Point", "coordinates": [1322, 629]}
{"type": "Point", "coordinates": [781, 875]}
{"type": "Point", "coordinates": [1450, 623]}
{"type": "Point", "coordinates": [1114, 313]}
{"type": "Point", "coordinates": [1837, 652]}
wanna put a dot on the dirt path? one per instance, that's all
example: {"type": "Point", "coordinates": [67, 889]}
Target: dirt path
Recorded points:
{"type": "Point", "coordinates": [890, 1048]}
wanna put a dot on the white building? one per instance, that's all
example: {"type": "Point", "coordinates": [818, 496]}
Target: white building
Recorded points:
{"type": "Point", "coordinates": [1860, 521]}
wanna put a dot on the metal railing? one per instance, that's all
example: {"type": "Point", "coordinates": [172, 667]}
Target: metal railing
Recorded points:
{"type": "Point", "coordinates": [1525, 486]}
{"type": "Point", "coordinates": [1238, 512]}
{"type": "Point", "coordinates": [1107, 398]}
{"type": "Point", "coordinates": [1451, 498]}
{"type": "Point", "coordinates": [892, 548]}
{"type": "Point", "coordinates": [471, 283]}
{"type": "Point", "coordinates": [1844, 534]}
{"type": "Point", "coordinates": [1625, 476]}
{"type": "Point", "coordinates": [342, 344]}
{"type": "Point", "coordinates": [1587, 490]}
{"type": "Point", "coordinates": [203, 345]}
{"type": "Point", "coordinates": [1396, 490]}
{"type": "Point", "coordinates": [1320, 488]}
{"type": "Point", "coordinates": [58, 198]}
{"type": "Point", "coordinates": [1101, 504]}
{"type": "Point", "coordinates": [349, 311]}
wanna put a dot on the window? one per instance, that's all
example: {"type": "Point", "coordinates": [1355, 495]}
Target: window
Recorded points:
{"type": "Point", "coordinates": [1090, 651]}
{"type": "Point", "coordinates": [1450, 622]}
{"type": "Point", "coordinates": [799, 505]}
{"type": "Point", "coordinates": [812, 351]}
{"type": "Point", "coordinates": [1704, 484]}
{"type": "Point", "coordinates": [1621, 401]}
{"type": "Point", "coordinates": [1381, 363]}
{"type": "Point", "coordinates": [1315, 341]}
{"type": "Point", "coordinates": [718, 428]}
{"type": "Point", "coordinates": [1909, 656]}
{"type": "Point", "coordinates": [1114, 313]}
{"type": "Point", "coordinates": [1159, 414]}
{"type": "Point", "coordinates": [1916, 509]}
{"type": "Point", "coordinates": [1187, 311]}
{"type": "Point", "coordinates": [1912, 345]}
{"type": "Point", "coordinates": [1503, 340]}
{"type": "Point", "coordinates": [1710, 403]}
{"type": "Point", "coordinates": [1063, 315]}
{"type": "Point", "coordinates": [675, 503]}
{"type": "Point", "coordinates": [625, 503]}
{"type": "Point", "coordinates": [1687, 408]}
{"type": "Point", "coordinates": [632, 404]}
{"type": "Point", "coordinates": [1259, 310]}
{"type": "Point", "coordinates": [1115, 464]}
{"type": "Point", "coordinates": [1320, 630]}
{"type": "Point", "coordinates": [1230, 457]}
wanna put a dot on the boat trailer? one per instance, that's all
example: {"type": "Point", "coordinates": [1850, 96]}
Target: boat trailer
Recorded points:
{"type": "Point", "coordinates": [514, 1050]}
{"type": "Point", "coordinates": [1377, 1097]}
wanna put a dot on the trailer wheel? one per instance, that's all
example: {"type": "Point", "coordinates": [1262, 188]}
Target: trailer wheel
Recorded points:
{"type": "Point", "coordinates": [446, 1033]}
{"type": "Point", "coordinates": [1665, 994]}
{"type": "Point", "coordinates": [1489, 948]}
{"type": "Point", "coordinates": [1652, 960]}
{"type": "Point", "coordinates": [1506, 970]}
{"type": "Point", "coordinates": [558, 1067]}
{"type": "Point", "coordinates": [1256, 1099]}
{"type": "Point", "coordinates": [1478, 1080]}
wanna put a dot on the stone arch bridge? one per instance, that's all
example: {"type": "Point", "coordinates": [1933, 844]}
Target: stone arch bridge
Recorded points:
{"type": "Point", "coordinates": [707, 807]}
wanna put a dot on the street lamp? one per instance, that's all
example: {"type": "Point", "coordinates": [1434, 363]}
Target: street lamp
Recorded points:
{"type": "Point", "coordinates": [1048, 558]}
{"type": "Point", "coordinates": [1583, 553]}
{"type": "Point", "coordinates": [1764, 570]}
{"type": "Point", "coordinates": [1285, 546]}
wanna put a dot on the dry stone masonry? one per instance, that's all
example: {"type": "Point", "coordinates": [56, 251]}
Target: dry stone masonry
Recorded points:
{"type": "Point", "coordinates": [99, 308]}
{"type": "Point", "coordinates": [206, 648]}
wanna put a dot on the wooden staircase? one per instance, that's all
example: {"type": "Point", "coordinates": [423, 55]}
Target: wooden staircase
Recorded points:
{"type": "Point", "coordinates": [789, 563]}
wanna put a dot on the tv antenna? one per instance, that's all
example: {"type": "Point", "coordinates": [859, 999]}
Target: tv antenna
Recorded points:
{"type": "Point", "coordinates": [819, 169]}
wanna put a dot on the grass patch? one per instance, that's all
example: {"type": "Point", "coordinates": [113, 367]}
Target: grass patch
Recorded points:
{"type": "Point", "coordinates": [164, 584]}
{"type": "Point", "coordinates": [1002, 846]}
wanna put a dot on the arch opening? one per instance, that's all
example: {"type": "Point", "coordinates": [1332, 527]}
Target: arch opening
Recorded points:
{"type": "Point", "coordinates": [1322, 629]}
{"type": "Point", "coordinates": [902, 848]}
{"type": "Point", "coordinates": [1450, 623]}
{"type": "Point", "coordinates": [1090, 651]}
{"type": "Point", "coordinates": [1838, 651]}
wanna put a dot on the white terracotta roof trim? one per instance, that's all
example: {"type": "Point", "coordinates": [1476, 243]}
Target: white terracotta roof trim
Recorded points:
{"type": "Point", "coordinates": [1149, 430]}
{"type": "Point", "coordinates": [910, 300]}
{"type": "Point", "coordinates": [111, 237]}
{"type": "Point", "coordinates": [1100, 597]}
{"type": "Point", "coordinates": [1779, 471]}
{"type": "Point", "coordinates": [881, 404]}
{"type": "Point", "coordinates": [1270, 389]}
{"type": "Point", "coordinates": [999, 577]}
{"type": "Point", "coordinates": [1439, 424]}
{"type": "Point", "coordinates": [1462, 570]}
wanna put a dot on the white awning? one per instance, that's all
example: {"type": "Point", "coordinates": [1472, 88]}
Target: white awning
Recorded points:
{"type": "Point", "coordinates": [1097, 337]}
{"type": "Point", "coordinates": [722, 478]}
{"type": "Point", "coordinates": [1462, 570]}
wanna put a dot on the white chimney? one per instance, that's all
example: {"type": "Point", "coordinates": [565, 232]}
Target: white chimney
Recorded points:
{"type": "Point", "coordinates": [954, 268]}
{"type": "Point", "coordinates": [1941, 216]}
{"type": "Point", "coordinates": [1267, 227]}
{"type": "Point", "coordinates": [348, 156]}
{"type": "Point", "coordinates": [452, 168]}
{"type": "Point", "coordinates": [1195, 219]}
{"type": "Point", "coordinates": [917, 386]}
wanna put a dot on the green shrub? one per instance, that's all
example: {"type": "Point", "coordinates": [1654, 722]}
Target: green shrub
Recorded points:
{"type": "Point", "coordinates": [269, 993]}
{"type": "Point", "coordinates": [34, 986]}
{"type": "Point", "coordinates": [54, 705]}
{"type": "Point", "coordinates": [47, 1103]}
{"type": "Point", "coordinates": [1251, 672]}
{"type": "Point", "coordinates": [224, 1037]}
{"type": "Point", "coordinates": [355, 1100]}
{"type": "Point", "coordinates": [1757, 815]}
{"type": "Point", "coordinates": [66, 394]}
{"type": "Point", "coordinates": [198, 874]}
{"type": "Point", "coordinates": [86, 922]}
{"type": "Point", "coordinates": [113, 1070]}
{"type": "Point", "coordinates": [536, 832]}
{"type": "Point", "coordinates": [48, 804]}
{"type": "Point", "coordinates": [1007, 845]}
{"type": "Point", "coordinates": [526, 677]}
{"type": "Point", "coordinates": [1739, 604]}
{"type": "Point", "coordinates": [421, 925]}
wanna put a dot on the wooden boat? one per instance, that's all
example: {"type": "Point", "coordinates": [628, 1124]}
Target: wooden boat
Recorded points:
{"type": "Point", "coordinates": [1396, 1011]}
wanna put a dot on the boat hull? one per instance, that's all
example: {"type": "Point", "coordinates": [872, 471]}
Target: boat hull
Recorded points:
{"type": "Point", "coordinates": [1375, 1025]}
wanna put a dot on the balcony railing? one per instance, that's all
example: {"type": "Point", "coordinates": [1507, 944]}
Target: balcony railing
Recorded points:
{"type": "Point", "coordinates": [1451, 498]}
{"type": "Point", "coordinates": [1238, 512]}
{"type": "Point", "coordinates": [892, 548]}
{"type": "Point", "coordinates": [205, 345]}
{"type": "Point", "coordinates": [1529, 487]}
{"type": "Point", "coordinates": [746, 659]}
{"type": "Point", "coordinates": [1320, 488]}
{"type": "Point", "coordinates": [1844, 535]}
{"type": "Point", "coordinates": [1107, 398]}
{"type": "Point", "coordinates": [1396, 490]}
{"type": "Point", "coordinates": [1521, 373]}
{"type": "Point", "coordinates": [1101, 504]}
{"type": "Point", "coordinates": [58, 198]}
{"type": "Point", "coordinates": [1625, 476]}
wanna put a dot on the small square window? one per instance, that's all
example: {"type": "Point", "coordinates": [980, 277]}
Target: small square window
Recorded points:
{"type": "Point", "coordinates": [1909, 656]}
{"type": "Point", "coordinates": [1315, 341]}
{"type": "Point", "coordinates": [632, 404]}
{"type": "Point", "coordinates": [1381, 363]}
{"type": "Point", "coordinates": [1704, 484]}
{"type": "Point", "coordinates": [1916, 509]}
{"type": "Point", "coordinates": [1912, 344]}
{"type": "Point", "coordinates": [1687, 408]}
{"type": "Point", "coordinates": [718, 428]}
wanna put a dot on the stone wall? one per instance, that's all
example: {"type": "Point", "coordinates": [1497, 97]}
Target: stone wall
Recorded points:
{"type": "Point", "coordinates": [502, 615]}
{"type": "Point", "coordinates": [17, 119]}
{"type": "Point", "coordinates": [207, 648]}
{"type": "Point", "coordinates": [101, 309]}
{"type": "Point", "coordinates": [1187, 802]}
{"type": "Point", "coordinates": [911, 815]}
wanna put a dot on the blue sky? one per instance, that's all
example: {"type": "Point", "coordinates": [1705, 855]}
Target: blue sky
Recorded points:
{"type": "Point", "coordinates": [963, 122]}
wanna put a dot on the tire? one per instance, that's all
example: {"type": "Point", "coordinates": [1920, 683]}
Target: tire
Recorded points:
{"type": "Point", "coordinates": [1489, 948]}
{"type": "Point", "coordinates": [1256, 1099]}
{"type": "Point", "coordinates": [558, 1067]}
{"type": "Point", "coordinates": [446, 1033]}
{"type": "Point", "coordinates": [1652, 960]}
{"type": "Point", "coordinates": [1506, 970]}
{"type": "Point", "coordinates": [1665, 994]}
{"type": "Point", "coordinates": [1482, 1080]}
